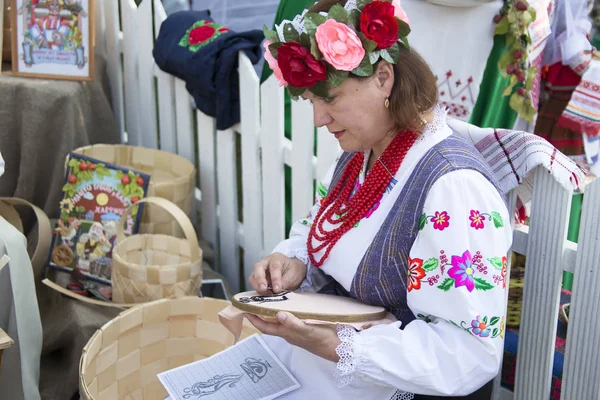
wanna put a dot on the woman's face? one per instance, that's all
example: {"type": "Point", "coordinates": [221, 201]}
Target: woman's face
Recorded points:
{"type": "Point", "coordinates": [355, 113]}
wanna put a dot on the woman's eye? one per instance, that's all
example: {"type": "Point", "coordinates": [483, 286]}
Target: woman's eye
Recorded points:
{"type": "Point", "coordinates": [328, 99]}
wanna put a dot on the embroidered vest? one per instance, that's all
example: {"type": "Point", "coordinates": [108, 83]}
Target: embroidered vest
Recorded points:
{"type": "Point", "coordinates": [381, 276]}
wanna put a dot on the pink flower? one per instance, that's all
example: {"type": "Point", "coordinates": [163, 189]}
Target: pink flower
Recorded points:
{"type": "Point", "coordinates": [340, 45]}
{"type": "Point", "coordinates": [476, 219]}
{"type": "Point", "coordinates": [273, 64]}
{"type": "Point", "coordinates": [441, 220]}
{"type": "Point", "coordinates": [399, 12]}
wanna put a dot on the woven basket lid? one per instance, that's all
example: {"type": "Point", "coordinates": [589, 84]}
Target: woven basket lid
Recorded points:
{"type": "Point", "coordinates": [314, 306]}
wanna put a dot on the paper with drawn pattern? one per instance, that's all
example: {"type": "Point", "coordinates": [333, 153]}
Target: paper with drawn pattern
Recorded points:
{"type": "Point", "coordinates": [246, 371]}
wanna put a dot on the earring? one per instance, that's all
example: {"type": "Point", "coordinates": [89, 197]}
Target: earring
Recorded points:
{"type": "Point", "coordinates": [423, 121]}
{"type": "Point", "coordinates": [387, 103]}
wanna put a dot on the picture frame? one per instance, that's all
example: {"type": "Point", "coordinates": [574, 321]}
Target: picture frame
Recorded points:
{"type": "Point", "coordinates": [53, 39]}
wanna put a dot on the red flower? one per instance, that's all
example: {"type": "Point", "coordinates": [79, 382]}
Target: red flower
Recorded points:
{"type": "Point", "coordinates": [201, 34]}
{"type": "Point", "coordinates": [415, 273]}
{"type": "Point", "coordinates": [298, 67]}
{"type": "Point", "coordinates": [440, 220]}
{"type": "Point", "coordinates": [378, 23]}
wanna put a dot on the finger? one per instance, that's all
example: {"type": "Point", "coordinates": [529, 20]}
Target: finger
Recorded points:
{"type": "Point", "coordinates": [290, 322]}
{"type": "Point", "coordinates": [275, 269]}
{"type": "Point", "coordinates": [260, 278]}
{"type": "Point", "coordinates": [263, 326]}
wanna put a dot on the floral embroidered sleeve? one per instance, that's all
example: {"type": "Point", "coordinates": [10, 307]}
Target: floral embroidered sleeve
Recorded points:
{"type": "Point", "coordinates": [456, 288]}
{"type": "Point", "coordinates": [295, 245]}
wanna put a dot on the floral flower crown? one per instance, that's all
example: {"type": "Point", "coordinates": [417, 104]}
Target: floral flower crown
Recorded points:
{"type": "Point", "coordinates": [314, 49]}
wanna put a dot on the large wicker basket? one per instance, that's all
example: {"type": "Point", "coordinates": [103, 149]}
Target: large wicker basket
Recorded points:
{"type": "Point", "coordinates": [172, 177]}
{"type": "Point", "coordinates": [122, 359]}
{"type": "Point", "coordinates": [151, 267]}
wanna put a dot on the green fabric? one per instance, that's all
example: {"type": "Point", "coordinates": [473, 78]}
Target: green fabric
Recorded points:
{"type": "Point", "coordinates": [492, 109]}
{"type": "Point", "coordinates": [287, 9]}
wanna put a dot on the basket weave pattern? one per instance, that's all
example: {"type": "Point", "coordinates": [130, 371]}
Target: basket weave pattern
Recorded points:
{"type": "Point", "coordinates": [151, 267]}
{"type": "Point", "coordinates": [172, 177]}
{"type": "Point", "coordinates": [123, 357]}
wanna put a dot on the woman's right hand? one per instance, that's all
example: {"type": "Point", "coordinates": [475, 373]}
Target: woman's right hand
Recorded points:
{"type": "Point", "coordinates": [278, 272]}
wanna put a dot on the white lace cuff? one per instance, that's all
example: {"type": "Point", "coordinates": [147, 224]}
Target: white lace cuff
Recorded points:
{"type": "Point", "coordinates": [351, 359]}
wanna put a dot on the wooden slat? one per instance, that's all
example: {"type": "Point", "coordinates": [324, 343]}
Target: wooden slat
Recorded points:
{"type": "Point", "coordinates": [165, 84]}
{"type": "Point", "coordinates": [271, 139]}
{"type": "Point", "coordinates": [581, 377]}
{"type": "Point", "coordinates": [541, 292]}
{"type": "Point", "coordinates": [184, 122]}
{"type": "Point", "coordinates": [497, 393]}
{"type": "Point", "coordinates": [302, 156]}
{"type": "Point", "coordinates": [130, 71]}
{"type": "Point", "coordinates": [251, 173]}
{"type": "Point", "coordinates": [228, 211]}
{"type": "Point", "coordinates": [147, 102]}
{"type": "Point", "coordinates": [208, 183]}
{"type": "Point", "coordinates": [328, 148]}
{"type": "Point", "coordinates": [112, 38]}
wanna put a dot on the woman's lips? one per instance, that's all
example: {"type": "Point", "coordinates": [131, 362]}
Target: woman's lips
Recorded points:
{"type": "Point", "coordinates": [338, 134]}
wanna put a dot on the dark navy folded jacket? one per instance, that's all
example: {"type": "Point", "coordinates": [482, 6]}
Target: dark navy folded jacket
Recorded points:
{"type": "Point", "coordinates": [194, 48]}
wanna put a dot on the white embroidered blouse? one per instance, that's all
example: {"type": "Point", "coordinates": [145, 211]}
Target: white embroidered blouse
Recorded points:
{"type": "Point", "coordinates": [456, 289]}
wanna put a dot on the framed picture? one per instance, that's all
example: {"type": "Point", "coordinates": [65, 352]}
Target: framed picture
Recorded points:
{"type": "Point", "coordinates": [53, 39]}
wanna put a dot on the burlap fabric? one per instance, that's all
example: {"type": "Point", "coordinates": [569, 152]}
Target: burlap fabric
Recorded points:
{"type": "Point", "coordinates": [41, 121]}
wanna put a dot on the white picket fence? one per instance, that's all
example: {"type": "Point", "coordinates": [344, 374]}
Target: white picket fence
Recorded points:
{"type": "Point", "coordinates": [154, 110]}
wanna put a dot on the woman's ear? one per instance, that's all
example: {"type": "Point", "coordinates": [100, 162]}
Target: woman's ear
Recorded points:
{"type": "Point", "coordinates": [384, 75]}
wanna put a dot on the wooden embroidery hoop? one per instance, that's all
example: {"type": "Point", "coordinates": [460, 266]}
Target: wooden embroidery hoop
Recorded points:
{"type": "Point", "coordinates": [304, 305]}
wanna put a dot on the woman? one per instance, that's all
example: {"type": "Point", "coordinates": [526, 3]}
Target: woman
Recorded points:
{"type": "Point", "coordinates": [409, 217]}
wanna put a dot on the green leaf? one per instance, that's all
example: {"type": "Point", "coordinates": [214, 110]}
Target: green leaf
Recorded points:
{"type": "Point", "coordinates": [374, 56]}
{"type": "Point", "coordinates": [511, 16]}
{"type": "Point", "coordinates": [273, 49]}
{"type": "Point", "coordinates": [516, 102]}
{"type": "Point", "coordinates": [305, 40]}
{"type": "Point", "coordinates": [125, 190]}
{"type": "Point", "coordinates": [360, 4]}
{"type": "Point", "coordinates": [494, 320]}
{"type": "Point", "coordinates": [319, 89]}
{"type": "Point", "coordinates": [73, 163]}
{"type": "Point", "coordinates": [290, 34]}
{"type": "Point", "coordinates": [335, 77]}
{"type": "Point", "coordinates": [311, 21]}
{"type": "Point", "coordinates": [485, 320]}
{"type": "Point", "coordinates": [495, 332]}
{"type": "Point", "coordinates": [404, 28]}
{"type": "Point", "coordinates": [430, 264]}
{"type": "Point", "coordinates": [526, 18]}
{"type": "Point", "coordinates": [270, 35]}
{"type": "Point", "coordinates": [368, 45]}
{"type": "Point", "coordinates": [394, 52]}
{"type": "Point", "coordinates": [364, 69]}
{"type": "Point", "coordinates": [502, 27]}
{"type": "Point", "coordinates": [338, 13]}
{"type": "Point", "coordinates": [354, 18]}
{"type": "Point", "coordinates": [446, 285]}
{"type": "Point", "coordinates": [322, 191]}
{"type": "Point", "coordinates": [496, 262]}
{"type": "Point", "coordinates": [75, 170]}
{"type": "Point", "coordinates": [294, 91]}
{"type": "Point", "coordinates": [497, 219]}
{"type": "Point", "coordinates": [422, 221]}
{"type": "Point", "coordinates": [386, 56]}
{"type": "Point", "coordinates": [482, 284]}
{"type": "Point", "coordinates": [66, 187]}
{"type": "Point", "coordinates": [184, 40]}
{"type": "Point", "coordinates": [406, 43]}
{"type": "Point", "coordinates": [314, 50]}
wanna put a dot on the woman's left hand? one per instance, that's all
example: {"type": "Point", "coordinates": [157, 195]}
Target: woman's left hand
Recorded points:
{"type": "Point", "coordinates": [320, 340]}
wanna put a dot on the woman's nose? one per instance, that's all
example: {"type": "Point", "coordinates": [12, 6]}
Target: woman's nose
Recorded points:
{"type": "Point", "coordinates": [321, 116]}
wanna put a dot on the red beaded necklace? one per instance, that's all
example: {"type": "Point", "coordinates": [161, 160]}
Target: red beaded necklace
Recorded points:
{"type": "Point", "coordinates": [351, 209]}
